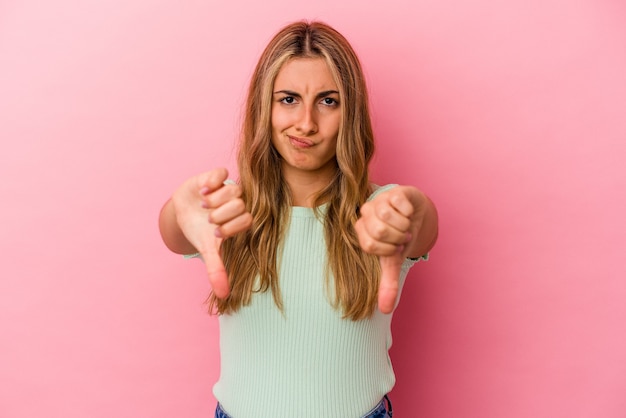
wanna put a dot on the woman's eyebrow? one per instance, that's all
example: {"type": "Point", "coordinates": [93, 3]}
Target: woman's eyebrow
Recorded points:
{"type": "Point", "coordinates": [288, 93]}
{"type": "Point", "coordinates": [326, 93]}
{"type": "Point", "coordinates": [318, 95]}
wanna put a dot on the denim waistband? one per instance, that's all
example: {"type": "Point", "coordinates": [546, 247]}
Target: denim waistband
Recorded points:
{"type": "Point", "coordinates": [382, 410]}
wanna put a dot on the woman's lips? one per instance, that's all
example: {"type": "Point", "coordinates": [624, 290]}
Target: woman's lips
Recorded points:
{"type": "Point", "coordinates": [300, 142]}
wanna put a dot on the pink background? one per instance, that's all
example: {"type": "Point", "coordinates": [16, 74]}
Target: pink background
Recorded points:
{"type": "Point", "coordinates": [511, 115]}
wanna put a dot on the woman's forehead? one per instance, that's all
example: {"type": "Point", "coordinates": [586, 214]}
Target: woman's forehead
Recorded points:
{"type": "Point", "coordinates": [305, 75]}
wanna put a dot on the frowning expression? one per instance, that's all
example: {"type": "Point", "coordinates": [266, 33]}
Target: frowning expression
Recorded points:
{"type": "Point", "coordinates": [306, 116]}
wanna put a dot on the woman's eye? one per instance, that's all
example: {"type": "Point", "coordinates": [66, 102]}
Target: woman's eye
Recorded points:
{"type": "Point", "coordinates": [288, 100]}
{"type": "Point", "coordinates": [329, 101]}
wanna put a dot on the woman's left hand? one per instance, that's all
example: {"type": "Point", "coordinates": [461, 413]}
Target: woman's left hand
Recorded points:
{"type": "Point", "coordinates": [399, 223]}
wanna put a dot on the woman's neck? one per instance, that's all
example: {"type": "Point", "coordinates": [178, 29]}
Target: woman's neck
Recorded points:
{"type": "Point", "coordinates": [305, 185]}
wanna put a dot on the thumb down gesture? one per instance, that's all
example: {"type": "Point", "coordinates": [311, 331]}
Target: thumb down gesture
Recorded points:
{"type": "Point", "coordinates": [396, 224]}
{"type": "Point", "coordinates": [207, 211]}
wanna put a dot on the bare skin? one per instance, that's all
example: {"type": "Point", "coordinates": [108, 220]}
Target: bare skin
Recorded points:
{"type": "Point", "coordinates": [201, 213]}
{"type": "Point", "coordinates": [306, 117]}
{"type": "Point", "coordinates": [399, 223]}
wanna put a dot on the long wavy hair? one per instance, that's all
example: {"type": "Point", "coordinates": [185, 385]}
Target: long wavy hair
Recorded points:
{"type": "Point", "coordinates": [251, 257]}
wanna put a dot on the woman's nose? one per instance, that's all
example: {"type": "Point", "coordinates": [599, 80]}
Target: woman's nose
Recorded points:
{"type": "Point", "coordinates": [307, 122]}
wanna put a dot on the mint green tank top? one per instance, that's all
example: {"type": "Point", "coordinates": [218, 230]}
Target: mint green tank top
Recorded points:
{"type": "Point", "coordinates": [307, 361]}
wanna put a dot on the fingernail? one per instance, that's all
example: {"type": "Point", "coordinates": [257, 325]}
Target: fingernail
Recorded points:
{"type": "Point", "coordinates": [204, 190]}
{"type": "Point", "coordinates": [218, 233]}
{"type": "Point", "coordinates": [409, 237]}
{"type": "Point", "coordinates": [400, 249]}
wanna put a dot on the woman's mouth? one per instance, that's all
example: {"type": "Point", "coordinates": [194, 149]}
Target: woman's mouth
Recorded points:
{"type": "Point", "coordinates": [300, 142]}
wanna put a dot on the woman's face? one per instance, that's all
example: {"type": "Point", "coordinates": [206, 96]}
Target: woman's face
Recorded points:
{"type": "Point", "coordinates": [306, 116]}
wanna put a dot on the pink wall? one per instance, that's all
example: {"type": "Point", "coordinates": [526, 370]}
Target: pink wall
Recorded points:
{"type": "Point", "coordinates": [511, 115]}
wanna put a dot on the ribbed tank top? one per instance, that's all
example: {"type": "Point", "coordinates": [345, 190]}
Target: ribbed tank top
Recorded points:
{"type": "Point", "coordinates": [305, 361]}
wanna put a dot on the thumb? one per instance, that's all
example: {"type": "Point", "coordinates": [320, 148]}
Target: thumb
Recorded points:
{"type": "Point", "coordinates": [389, 282]}
{"type": "Point", "coordinates": [215, 268]}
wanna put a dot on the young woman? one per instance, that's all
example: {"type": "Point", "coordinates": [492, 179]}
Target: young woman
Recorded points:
{"type": "Point", "coordinates": [302, 250]}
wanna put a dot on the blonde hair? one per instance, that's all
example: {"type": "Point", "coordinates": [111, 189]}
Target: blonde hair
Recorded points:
{"type": "Point", "coordinates": [253, 255]}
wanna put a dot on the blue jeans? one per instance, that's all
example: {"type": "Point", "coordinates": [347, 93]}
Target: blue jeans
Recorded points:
{"type": "Point", "coordinates": [382, 410]}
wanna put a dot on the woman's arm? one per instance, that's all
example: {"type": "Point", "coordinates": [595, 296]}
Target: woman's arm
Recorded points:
{"type": "Point", "coordinates": [171, 233]}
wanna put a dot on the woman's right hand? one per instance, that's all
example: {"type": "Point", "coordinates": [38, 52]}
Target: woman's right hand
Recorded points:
{"type": "Point", "coordinates": [207, 211]}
